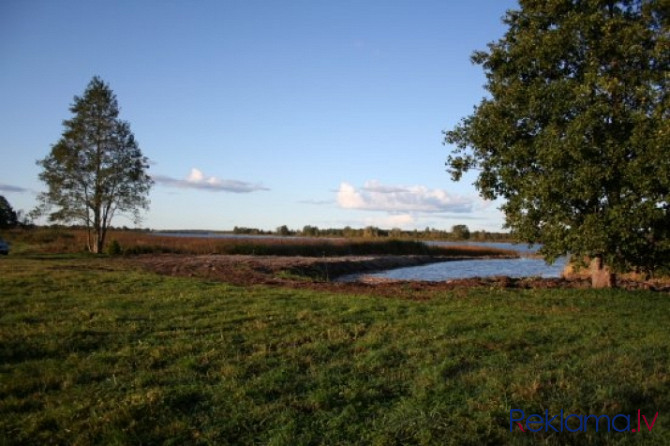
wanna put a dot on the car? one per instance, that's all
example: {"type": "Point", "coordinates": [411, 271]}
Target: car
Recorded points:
{"type": "Point", "coordinates": [4, 247]}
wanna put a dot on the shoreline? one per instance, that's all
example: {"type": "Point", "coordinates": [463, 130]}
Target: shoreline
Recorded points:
{"type": "Point", "coordinates": [320, 272]}
{"type": "Point", "coordinates": [271, 269]}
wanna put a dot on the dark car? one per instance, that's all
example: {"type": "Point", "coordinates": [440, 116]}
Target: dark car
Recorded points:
{"type": "Point", "coordinates": [4, 247]}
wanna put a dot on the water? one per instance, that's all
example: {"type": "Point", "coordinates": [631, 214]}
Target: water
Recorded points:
{"type": "Point", "coordinates": [462, 269]}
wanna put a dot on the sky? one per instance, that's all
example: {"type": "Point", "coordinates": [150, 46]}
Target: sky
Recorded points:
{"type": "Point", "coordinates": [259, 113]}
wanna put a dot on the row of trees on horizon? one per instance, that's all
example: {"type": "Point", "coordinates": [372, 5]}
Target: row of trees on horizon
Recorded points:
{"type": "Point", "coordinates": [458, 232]}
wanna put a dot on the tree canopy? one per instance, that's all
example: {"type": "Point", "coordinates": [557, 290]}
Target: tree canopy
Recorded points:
{"type": "Point", "coordinates": [96, 169]}
{"type": "Point", "coordinates": [460, 232]}
{"type": "Point", "coordinates": [8, 217]}
{"type": "Point", "coordinates": [575, 132]}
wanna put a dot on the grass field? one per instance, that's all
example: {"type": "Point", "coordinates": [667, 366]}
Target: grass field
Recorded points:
{"type": "Point", "coordinates": [91, 353]}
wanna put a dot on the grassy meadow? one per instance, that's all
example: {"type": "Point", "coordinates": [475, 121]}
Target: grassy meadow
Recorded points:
{"type": "Point", "coordinates": [92, 352]}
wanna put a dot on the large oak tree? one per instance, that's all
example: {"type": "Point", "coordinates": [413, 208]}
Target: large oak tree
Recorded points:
{"type": "Point", "coordinates": [575, 134]}
{"type": "Point", "coordinates": [96, 169]}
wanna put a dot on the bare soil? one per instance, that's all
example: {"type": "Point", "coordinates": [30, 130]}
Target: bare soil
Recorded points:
{"type": "Point", "coordinates": [247, 269]}
{"type": "Point", "coordinates": [318, 273]}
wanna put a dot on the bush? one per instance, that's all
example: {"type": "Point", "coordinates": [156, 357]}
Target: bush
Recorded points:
{"type": "Point", "coordinates": [114, 248]}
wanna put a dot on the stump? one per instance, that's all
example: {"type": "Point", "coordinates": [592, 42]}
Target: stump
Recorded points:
{"type": "Point", "coordinates": [601, 276]}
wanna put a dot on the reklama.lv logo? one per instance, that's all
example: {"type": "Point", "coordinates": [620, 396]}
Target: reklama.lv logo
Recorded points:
{"type": "Point", "coordinates": [576, 423]}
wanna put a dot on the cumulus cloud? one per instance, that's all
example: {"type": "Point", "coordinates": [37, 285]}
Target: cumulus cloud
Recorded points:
{"type": "Point", "coordinates": [198, 180]}
{"type": "Point", "coordinates": [10, 188]}
{"type": "Point", "coordinates": [374, 196]}
{"type": "Point", "coordinates": [402, 221]}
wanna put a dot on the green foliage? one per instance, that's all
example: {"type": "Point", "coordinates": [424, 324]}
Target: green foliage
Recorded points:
{"type": "Point", "coordinates": [249, 231]}
{"type": "Point", "coordinates": [310, 231]}
{"type": "Point", "coordinates": [114, 248]}
{"type": "Point", "coordinates": [8, 217]}
{"type": "Point", "coordinates": [371, 232]}
{"type": "Point", "coordinates": [575, 135]}
{"type": "Point", "coordinates": [283, 231]}
{"type": "Point", "coordinates": [96, 354]}
{"type": "Point", "coordinates": [460, 232]}
{"type": "Point", "coordinates": [348, 232]}
{"type": "Point", "coordinates": [96, 169]}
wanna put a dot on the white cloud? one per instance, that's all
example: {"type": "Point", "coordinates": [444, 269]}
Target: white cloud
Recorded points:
{"type": "Point", "coordinates": [403, 221]}
{"type": "Point", "coordinates": [349, 198]}
{"type": "Point", "coordinates": [197, 180]}
{"type": "Point", "coordinates": [195, 176]}
{"type": "Point", "coordinates": [374, 196]}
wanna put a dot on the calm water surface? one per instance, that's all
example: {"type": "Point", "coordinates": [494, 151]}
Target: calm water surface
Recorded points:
{"type": "Point", "coordinates": [462, 269]}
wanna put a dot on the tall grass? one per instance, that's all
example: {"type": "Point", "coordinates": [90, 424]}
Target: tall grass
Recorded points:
{"type": "Point", "coordinates": [133, 243]}
{"type": "Point", "coordinates": [91, 353]}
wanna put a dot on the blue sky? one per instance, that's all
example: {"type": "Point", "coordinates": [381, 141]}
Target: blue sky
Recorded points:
{"type": "Point", "coordinates": [259, 113]}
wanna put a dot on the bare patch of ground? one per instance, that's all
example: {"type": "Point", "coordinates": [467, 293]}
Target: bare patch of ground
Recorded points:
{"type": "Point", "coordinates": [318, 273]}
{"type": "Point", "coordinates": [246, 269]}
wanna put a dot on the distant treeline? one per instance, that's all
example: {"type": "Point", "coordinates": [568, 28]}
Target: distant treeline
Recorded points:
{"type": "Point", "coordinates": [458, 232]}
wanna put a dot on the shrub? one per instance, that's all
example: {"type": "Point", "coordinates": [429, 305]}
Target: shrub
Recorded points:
{"type": "Point", "coordinates": [114, 248]}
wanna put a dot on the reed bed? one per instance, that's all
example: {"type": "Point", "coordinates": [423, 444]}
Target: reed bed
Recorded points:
{"type": "Point", "coordinates": [48, 240]}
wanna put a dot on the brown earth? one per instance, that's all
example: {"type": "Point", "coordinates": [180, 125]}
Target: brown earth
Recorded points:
{"type": "Point", "coordinates": [248, 270]}
{"type": "Point", "coordinates": [318, 274]}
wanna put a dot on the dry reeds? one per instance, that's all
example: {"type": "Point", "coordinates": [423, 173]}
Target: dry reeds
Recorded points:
{"type": "Point", "coordinates": [137, 242]}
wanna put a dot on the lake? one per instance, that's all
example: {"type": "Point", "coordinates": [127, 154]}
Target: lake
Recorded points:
{"type": "Point", "coordinates": [462, 269]}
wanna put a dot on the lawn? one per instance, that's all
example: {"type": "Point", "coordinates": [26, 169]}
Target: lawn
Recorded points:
{"type": "Point", "coordinates": [94, 353]}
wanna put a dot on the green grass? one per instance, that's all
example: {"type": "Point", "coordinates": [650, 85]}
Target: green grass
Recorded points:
{"type": "Point", "coordinates": [93, 354]}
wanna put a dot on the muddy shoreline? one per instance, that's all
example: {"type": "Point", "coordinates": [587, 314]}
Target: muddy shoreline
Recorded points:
{"type": "Point", "coordinates": [245, 269]}
{"type": "Point", "coordinates": [319, 273]}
